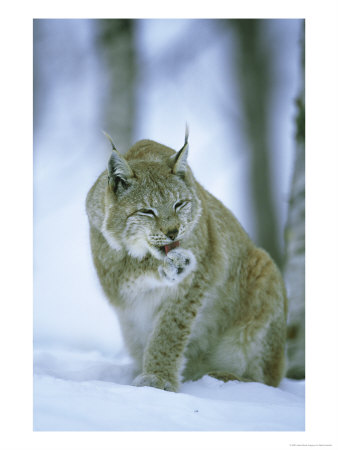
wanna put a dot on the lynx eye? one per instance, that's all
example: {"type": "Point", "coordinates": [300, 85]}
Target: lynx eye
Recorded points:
{"type": "Point", "coordinates": [146, 212]}
{"type": "Point", "coordinates": [181, 204]}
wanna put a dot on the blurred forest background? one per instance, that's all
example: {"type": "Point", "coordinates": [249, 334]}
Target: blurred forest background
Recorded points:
{"type": "Point", "coordinates": [240, 86]}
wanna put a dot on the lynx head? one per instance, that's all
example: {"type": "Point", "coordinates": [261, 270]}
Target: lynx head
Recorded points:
{"type": "Point", "coordinates": [150, 199]}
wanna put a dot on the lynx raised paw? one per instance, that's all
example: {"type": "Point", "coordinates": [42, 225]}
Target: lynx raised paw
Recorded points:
{"type": "Point", "coordinates": [152, 380]}
{"type": "Point", "coordinates": [177, 264]}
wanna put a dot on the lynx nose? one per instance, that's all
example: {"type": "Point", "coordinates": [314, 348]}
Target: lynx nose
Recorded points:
{"type": "Point", "coordinates": [172, 234]}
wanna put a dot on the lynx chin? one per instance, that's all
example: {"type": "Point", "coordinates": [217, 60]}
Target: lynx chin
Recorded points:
{"type": "Point", "coordinates": [193, 294]}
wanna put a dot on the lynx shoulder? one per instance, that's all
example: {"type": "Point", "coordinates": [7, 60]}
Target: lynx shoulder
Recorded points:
{"type": "Point", "coordinates": [193, 294]}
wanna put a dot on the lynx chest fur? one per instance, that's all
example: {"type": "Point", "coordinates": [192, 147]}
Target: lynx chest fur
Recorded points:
{"type": "Point", "coordinates": [193, 295]}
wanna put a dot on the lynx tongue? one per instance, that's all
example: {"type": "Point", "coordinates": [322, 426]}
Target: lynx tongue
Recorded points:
{"type": "Point", "coordinates": [169, 247]}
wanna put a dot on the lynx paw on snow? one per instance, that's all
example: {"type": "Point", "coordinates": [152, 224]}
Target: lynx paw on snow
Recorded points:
{"type": "Point", "coordinates": [177, 264]}
{"type": "Point", "coordinates": [152, 380]}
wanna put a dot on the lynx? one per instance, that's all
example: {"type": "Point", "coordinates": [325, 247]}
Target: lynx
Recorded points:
{"type": "Point", "coordinates": [194, 296]}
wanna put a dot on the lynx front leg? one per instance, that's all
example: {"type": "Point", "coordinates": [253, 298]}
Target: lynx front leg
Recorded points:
{"type": "Point", "coordinates": [152, 380]}
{"type": "Point", "coordinates": [164, 353]}
{"type": "Point", "coordinates": [176, 266]}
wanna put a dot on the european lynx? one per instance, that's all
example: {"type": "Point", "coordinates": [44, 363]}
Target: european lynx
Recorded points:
{"type": "Point", "coordinates": [194, 296]}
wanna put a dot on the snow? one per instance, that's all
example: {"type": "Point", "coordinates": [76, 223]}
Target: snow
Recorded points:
{"type": "Point", "coordinates": [89, 391]}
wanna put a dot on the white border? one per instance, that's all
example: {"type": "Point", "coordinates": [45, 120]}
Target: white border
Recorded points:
{"type": "Point", "coordinates": [16, 223]}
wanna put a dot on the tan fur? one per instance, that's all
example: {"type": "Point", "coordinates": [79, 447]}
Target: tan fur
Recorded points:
{"type": "Point", "coordinates": [214, 305]}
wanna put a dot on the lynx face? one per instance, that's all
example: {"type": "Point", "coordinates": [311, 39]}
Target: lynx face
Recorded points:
{"type": "Point", "coordinates": [148, 208]}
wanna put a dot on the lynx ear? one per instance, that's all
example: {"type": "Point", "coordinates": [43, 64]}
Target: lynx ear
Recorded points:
{"type": "Point", "coordinates": [180, 158]}
{"type": "Point", "coordinates": [119, 171]}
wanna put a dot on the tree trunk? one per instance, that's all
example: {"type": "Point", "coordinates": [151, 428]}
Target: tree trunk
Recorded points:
{"type": "Point", "coordinates": [116, 44]}
{"type": "Point", "coordinates": [254, 66]}
{"type": "Point", "coordinates": [294, 270]}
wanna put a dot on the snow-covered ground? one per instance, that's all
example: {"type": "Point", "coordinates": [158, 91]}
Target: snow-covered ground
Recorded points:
{"type": "Point", "coordinates": [89, 391]}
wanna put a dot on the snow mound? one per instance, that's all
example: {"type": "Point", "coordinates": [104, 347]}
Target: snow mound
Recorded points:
{"type": "Point", "coordinates": [88, 391]}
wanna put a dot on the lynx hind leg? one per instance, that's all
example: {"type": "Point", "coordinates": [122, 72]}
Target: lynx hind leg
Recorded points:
{"type": "Point", "coordinates": [274, 367]}
{"type": "Point", "coordinates": [224, 376]}
{"type": "Point", "coordinates": [265, 365]}
{"type": "Point", "coordinates": [254, 349]}
{"type": "Point", "coordinates": [267, 305]}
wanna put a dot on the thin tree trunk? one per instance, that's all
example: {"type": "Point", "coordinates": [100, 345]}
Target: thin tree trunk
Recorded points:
{"type": "Point", "coordinates": [116, 42]}
{"type": "Point", "coordinates": [254, 65]}
{"type": "Point", "coordinates": [294, 271]}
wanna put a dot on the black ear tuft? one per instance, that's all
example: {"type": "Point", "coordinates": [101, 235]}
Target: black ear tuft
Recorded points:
{"type": "Point", "coordinates": [180, 158]}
